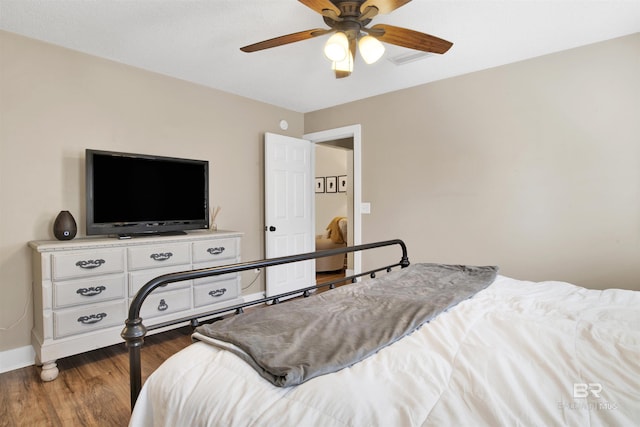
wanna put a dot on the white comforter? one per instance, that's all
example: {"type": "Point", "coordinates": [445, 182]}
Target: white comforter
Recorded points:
{"type": "Point", "coordinates": [518, 353]}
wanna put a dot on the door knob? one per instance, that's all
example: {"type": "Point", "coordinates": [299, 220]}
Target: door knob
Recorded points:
{"type": "Point", "coordinates": [272, 228]}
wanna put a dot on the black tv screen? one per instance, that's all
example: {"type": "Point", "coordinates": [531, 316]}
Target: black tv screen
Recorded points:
{"type": "Point", "coordinates": [129, 194]}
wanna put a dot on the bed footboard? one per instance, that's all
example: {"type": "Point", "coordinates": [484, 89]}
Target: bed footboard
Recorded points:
{"type": "Point", "coordinates": [135, 331]}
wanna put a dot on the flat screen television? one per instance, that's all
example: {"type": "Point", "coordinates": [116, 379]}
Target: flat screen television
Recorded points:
{"type": "Point", "coordinates": [136, 194]}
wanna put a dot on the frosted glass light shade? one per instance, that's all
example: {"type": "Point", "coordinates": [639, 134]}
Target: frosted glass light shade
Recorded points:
{"type": "Point", "coordinates": [344, 65]}
{"type": "Point", "coordinates": [337, 47]}
{"type": "Point", "coordinates": [370, 49]}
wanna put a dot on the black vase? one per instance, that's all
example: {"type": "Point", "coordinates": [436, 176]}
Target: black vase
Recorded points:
{"type": "Point", "coordinates": [64, 227]}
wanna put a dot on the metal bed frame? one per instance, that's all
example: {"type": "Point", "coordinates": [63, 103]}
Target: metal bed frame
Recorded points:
{"type": "Point", "coordinates": [135, 331]}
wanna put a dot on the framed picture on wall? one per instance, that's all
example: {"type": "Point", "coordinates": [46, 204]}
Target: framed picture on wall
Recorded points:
{"type": "Point", "coordinates": [319, 184]}
{"type": "Point", "coordinates": [332, 184]}
{"type": "Point", "coordinates": [342, 184]}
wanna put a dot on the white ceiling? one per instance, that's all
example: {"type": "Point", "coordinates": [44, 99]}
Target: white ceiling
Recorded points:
{"type": "Point", "coordinates": [199, 40]}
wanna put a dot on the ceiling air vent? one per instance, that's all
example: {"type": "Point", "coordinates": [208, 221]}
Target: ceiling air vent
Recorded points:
{"type": "Point", "coordinates": [406, 58]}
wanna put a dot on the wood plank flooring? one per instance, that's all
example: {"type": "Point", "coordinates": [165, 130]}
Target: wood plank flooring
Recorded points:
{"type": "Point", "coordinates": [92, 388]}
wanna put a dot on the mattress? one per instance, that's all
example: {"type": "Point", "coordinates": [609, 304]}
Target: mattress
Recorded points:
{"type": "Point", "coordinates": [517, 353]}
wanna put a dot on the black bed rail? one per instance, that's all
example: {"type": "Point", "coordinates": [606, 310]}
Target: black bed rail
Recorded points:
{"type": "Point", "coordinates": [134, 330]}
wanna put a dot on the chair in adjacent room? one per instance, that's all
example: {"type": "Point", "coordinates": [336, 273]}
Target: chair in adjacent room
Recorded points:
{"type": "Point", "coordinates": [335, 236]}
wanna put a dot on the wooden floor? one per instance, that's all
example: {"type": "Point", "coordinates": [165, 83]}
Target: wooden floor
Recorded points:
{"type": "Point", "coordinates": [329, 276]}
{"type": "Point", "coordinates": [92, 388]}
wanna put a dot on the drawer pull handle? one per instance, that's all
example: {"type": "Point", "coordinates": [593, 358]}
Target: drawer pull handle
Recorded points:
{"type": "Point", "coordinates": [89, 264]}
{"type": "Point", "coordinates": [218, 292]}
{"type": "Point", "coordinates": [162, 306]}
{"type": "Point", "coordinates": [161, 256]}
{"type": "Point", "coordinates": [94, 318]}
{"type": "Point", "coordinates": [89, 292]}
{"type": "Point", "coordinates": [216, 251]}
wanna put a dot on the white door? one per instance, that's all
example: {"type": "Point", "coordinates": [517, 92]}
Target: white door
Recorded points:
{"type": "Point", "coordinates": [288, 211]}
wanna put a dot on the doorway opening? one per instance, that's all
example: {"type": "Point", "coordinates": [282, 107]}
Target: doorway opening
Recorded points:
{"type": "Point", "coordinates": [344, 199]}
{"type": "Point", "coordinates": [333, 203]}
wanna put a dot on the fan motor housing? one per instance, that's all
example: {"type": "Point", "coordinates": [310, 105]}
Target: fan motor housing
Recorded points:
{"type": "Point", "coordinates": [349, 17]}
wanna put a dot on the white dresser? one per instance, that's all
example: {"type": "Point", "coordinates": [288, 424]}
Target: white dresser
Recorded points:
{"type": "Point", "coordinates": [82, 288]}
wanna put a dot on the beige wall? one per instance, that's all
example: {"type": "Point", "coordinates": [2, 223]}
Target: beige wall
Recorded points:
{"type": "Point", "coordinates": [55, 103]}
{"type": "Point", "coordinates": [533, 166]}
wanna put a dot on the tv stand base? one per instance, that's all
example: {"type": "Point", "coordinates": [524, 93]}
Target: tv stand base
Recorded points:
{"type": "Point", "coordinates": [154, 234]}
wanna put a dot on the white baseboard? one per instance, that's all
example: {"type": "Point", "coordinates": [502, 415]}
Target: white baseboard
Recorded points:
{"type": "Point", "coordinates": [253, 297]}
{"type": "Point", "coordinates": [17, 358]}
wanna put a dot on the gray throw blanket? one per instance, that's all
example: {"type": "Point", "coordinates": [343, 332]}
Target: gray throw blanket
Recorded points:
{"type": "Point", "coordinates": [300, 339]}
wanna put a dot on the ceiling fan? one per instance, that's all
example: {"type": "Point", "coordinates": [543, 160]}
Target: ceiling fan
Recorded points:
{"type": "Point", "coordinates": [348, 20]}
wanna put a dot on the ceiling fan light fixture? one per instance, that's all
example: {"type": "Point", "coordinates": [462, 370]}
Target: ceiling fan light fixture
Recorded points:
{"type": "Point", "coordinates": [348, 22]}
{"type": "Point", "coordinates": [370, 49]}
{"type": "Point", "coordinates": [345, 65]}
{"type": "Point", "coordinates": [337, 47]}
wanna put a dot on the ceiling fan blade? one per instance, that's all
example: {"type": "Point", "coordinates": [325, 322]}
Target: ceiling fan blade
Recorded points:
{"type": "Point", "coordinates": [282, 40]}
{"type": "Point", "coordinates": [408, 38]}
{"type": "Point", "coordinates": [320, 5]}
{"type": "Point", "coordinates": [383, 6]}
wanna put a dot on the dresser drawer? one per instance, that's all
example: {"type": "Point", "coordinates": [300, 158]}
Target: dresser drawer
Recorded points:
{"type": "Point", "coordinates": [158, 256]}
{"type": "Point", "coordinates": [138, 279]}
{"type": "Point", "coordinates": [160, 304]}
{"type": "Point", "coordinates": [212, 278]}
{"type": "Point", "coordinates": [211, 250]}
{"type": "Point", "coordinates": [83, 264]}
{"type": "Point", "coordinates": [88, 291]}
{"type": "Point", "coordinates": [211, 293]}
{"type": "Point", "coordinates": [87, 319]}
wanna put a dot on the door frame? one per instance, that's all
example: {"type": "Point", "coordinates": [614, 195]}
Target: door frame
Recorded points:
{"type": "Point", "coordinates": [355, 132]}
